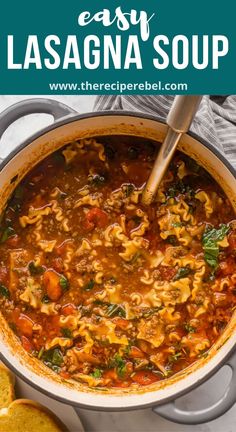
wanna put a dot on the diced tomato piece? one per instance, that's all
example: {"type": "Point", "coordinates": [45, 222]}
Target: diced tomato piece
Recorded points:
{"type": "Point", "coordinates": [88, 226]}
{"type": "Point", "coordinates": [13, 241]}
{"type": "Point", "coordinates": [27, 345]}
{"type": "Point", "coordinates": [110, 374]}
{"type": "Point", "coordinates": [57, 264]}
{"type": "Point", "coordinates": [3, 274]}
{"type": "Point", "coordinates": [15, 314]}
{"type": "Point", "coordinates": [64, 375]}
{"type": "Point", "coordinates": [25, 325]}
{"type": "Point", "coordinates": [95, 218]}
{"type": "Point", "coordinates": [135, 352]}
{"type": "Point", "coordinates": [145, 377]}
{"type": "Point", "coordinates": [68, 309]}
{"type": "Point", "coordinates": [121, 322]}
{"type": "Point", "coordinates": [51, 280]}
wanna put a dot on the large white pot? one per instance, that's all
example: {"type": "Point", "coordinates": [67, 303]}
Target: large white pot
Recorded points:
{"type": "Point", "coordinates": [70, 126]}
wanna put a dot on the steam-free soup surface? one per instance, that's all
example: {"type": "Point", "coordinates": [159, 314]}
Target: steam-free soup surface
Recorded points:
{"type": "Point", "coordinates": [104, 290]}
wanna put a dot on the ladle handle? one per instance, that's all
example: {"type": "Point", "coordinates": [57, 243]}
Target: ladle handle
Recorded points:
{"type": "Point", "coordinates": [182, 112]}
{"type": "Point", "coordinates": [179, 120]}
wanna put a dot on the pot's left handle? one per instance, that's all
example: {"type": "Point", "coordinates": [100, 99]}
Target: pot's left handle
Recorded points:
{"type": "Point", "coordinates": [170, 411]}
{"type": "Point", "coordinates": [33, 106]}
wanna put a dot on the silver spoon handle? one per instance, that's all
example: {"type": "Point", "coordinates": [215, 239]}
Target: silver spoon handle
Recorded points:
{"type": "Point", "coordinates": [182, 112]}
{"type": "Point", "coordinates": [179, 120]}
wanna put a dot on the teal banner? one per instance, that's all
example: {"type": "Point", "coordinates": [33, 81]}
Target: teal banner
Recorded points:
{"type": "Point", "coordinates": [118, 47]}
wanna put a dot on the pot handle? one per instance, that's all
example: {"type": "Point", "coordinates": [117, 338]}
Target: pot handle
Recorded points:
{"type": "Point", "coordinates": [33, 106]}
{"type": "Point", "coordinates": [170, 412]}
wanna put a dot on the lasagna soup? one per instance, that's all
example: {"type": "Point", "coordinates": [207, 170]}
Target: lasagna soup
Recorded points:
{"type": "Point", "coordinates": [104, 290]}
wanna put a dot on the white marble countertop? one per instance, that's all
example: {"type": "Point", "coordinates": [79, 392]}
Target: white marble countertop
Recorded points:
{"type": "Point", "coordinates": [130, 421]}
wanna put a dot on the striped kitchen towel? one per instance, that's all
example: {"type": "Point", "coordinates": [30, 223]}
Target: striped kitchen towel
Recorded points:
{"type": "Point", "coordinates": [215, 120]}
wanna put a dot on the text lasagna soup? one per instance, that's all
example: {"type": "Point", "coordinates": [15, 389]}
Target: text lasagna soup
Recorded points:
{"type": "Point", "coordinates": [103, 289]}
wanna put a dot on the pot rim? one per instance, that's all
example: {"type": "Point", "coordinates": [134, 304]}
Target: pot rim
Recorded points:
{"type": "Point", "coordinates": [70, 119]}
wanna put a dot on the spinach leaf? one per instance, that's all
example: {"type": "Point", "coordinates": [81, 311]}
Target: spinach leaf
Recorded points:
{"type": "Point", "coordinates": [89, 286]}
{"type": "Point", "coordinates": [64, 283]}
{"type": "Point", "coordinates": [66, 332]}
{"type": "Point", "coordinates": [177, 224]}
{"type": "Point", "coordinates": [19, 192]}
{"type": "Point", "coordinates": [53, 358]}
{"type": "Point", "coordinates": [112, 309]}
{"type": "Point", "coordinates": [137, 219]}
{"type": "Point", "coordinates": [4, 291]}
{"type": "Point", "coordinates": [97, 180]}
{"type": "Point", "coordinates": [109, 152]}
{"type": "Point", "coordinates": [177, 188]}
{"type": "Point", "coordinates": [97, 373]}
{"type": "Point", "coordinates": [8, 232]}
{"type": "Point", "coordinates": [182, 273]}
{"type": "Point", "coordinates": [57, 357]}
{"type": "Point", "coordinates": [189, 328]}
{"type": "Point", "coordinates": [112, 280]}
{"type": "Point", "coordinates": [133, 153]}
{"type": "Point", "coordinates": [135, 257]}
{"type": "Point", "coordinates": [172, 239]}
{"type": "Point", "coordinates": [35, 270]}
{"type": "Point", "coordinates": [45, 299]}
{"type": "Point", "coordinates": [175, 357]}
{"type": "Point", "coordinates": [115, 310]}
{"type": "Point", "coordinates": [128, 189]}
{"type": "Point", "coordinates": [119, 364]}
{"type": "Point", "coordinates": [40, 353]}
{"type": "Point", "coordinates": [148, 312]}
{"type": "Point", "coordinates": [210, 240]}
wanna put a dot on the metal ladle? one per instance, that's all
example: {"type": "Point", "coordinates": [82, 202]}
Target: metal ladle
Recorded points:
{"type": "Point", "coordinates": [179, 120]}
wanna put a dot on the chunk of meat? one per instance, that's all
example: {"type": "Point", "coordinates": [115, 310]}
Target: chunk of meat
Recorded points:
{"type": "Point", "coordinates": [3, 274]}
{"type": "Point", "coordinates": [227, 267]}
{"type": "Point", "coordinates": [165, 273]}
{"type": "Point", "coordinates": [17, 262]}
{"type": "Point", "coordinates": [51, 280]}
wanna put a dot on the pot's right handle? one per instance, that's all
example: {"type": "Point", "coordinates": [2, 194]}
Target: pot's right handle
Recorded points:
{"type": "Point", "coordinates": [170, 412]}
{"type": "Point", "coordinates": [33, 106]}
